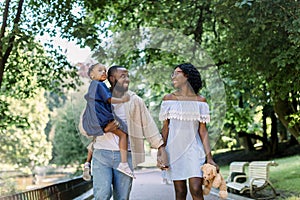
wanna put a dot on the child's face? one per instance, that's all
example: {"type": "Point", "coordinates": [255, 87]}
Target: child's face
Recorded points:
{"type": "Point", "coordinates": [99, 73]}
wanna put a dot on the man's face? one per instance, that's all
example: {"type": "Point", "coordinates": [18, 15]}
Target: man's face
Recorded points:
{"type": "Point", "coordinates": [120, 80]}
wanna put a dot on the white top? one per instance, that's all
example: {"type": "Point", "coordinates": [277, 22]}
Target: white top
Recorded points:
{"type": "Point", "coordinates": [184, 110]}
{"type": "Point", "coordinates": [110, 141]}
{"type": "Point", "coordinates": [184, 146]}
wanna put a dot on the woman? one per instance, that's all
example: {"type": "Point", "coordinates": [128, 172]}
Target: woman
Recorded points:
{"type": "Point", "coordinates": [184, 114]}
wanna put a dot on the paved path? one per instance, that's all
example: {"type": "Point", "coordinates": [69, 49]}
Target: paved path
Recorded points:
{"type": "Point", "coordinates": [148, 186]}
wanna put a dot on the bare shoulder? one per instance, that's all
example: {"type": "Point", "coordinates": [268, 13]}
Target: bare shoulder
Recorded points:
{"type": "Point", "coordinates": [201, 98]}
{"type": "Point", "coordinates": [169, 97]}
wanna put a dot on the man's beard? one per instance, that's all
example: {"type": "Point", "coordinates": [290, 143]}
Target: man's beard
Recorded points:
{"type": "Point", "coordinates": [119, 88]}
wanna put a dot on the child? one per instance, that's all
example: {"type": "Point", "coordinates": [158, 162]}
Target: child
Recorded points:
{"type": "Point", "coordinates": [99, 100]}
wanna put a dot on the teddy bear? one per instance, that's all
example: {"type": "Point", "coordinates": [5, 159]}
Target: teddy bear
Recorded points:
{"type": "Point", "coordinates": [213, 179]}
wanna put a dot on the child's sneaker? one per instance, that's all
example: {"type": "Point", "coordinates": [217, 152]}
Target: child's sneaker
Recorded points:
{"type": "Point", "coordinates": [87, 172]}
{"type": "Point", "coordinates": [124, 168]}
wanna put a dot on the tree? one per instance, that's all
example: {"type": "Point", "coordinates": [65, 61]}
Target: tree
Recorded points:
{"type": "Point", "coordinates": [260, 46]}
{"type": "Point", "coordinates": [256, 42]}
{"type": "Point", "coordinates": [27, 146]}
{"type": "Point", "coordinates": [28, 68]}
{"type": "Point", "coordinates": [23, 59]}
{"type": "Point", "coordinates": [69, 145]}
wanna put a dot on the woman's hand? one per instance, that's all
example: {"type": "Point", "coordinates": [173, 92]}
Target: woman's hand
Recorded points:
{"type": "Point", "coordinates": [162, 158]}
{"type": "Point", "coordinates": [212, 162]}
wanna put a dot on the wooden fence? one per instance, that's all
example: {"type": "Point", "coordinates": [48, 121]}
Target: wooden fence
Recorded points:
{"type": "Point", "coordinates": [75, 188]}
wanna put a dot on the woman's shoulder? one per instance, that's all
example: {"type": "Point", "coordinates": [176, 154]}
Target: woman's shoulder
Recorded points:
{"type": "Point", "coordinates": [169, 97]}
{"type": "Point", "coordinates": [201, 98]}
{"type": "Point", "coordinates": [172, 96]}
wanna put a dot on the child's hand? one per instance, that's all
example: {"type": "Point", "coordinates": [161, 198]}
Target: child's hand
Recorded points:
{"type": "Point", "coordinates": [126, 98]}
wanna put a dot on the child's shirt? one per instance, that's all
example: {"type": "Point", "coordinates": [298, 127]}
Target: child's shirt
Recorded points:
{"type": "Point", "coordinates": [98, 108]}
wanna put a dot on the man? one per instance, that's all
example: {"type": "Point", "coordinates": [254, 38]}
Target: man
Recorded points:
{"type": "Point", "coordinates": [107, 180]}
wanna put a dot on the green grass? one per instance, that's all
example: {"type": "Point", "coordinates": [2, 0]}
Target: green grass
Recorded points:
{"type": "Point", "coordinates": [285, 177]}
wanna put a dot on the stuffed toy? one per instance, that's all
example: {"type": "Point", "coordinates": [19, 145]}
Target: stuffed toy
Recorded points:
{"type": "Point", "coordinates": [213, 179]}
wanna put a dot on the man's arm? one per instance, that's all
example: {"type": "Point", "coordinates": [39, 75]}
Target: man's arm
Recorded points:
{"type": "Point", "coordinates": [152, 135]}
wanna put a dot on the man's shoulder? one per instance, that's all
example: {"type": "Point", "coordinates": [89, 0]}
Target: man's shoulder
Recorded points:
{"type": "Point", "coordinates": [134, 98]}
{"type": "Point", "coordinates": [133, 95]}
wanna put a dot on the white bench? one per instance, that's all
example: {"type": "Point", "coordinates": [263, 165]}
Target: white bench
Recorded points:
{"type": "Point", "coordinates": [236, 169]}
{"type": "Point", "coordinates": [257, 180]}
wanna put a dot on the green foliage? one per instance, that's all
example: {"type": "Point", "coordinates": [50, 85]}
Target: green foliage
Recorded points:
{"type": "Point", "coordinates": [28, 69]}
{"type": "Point", "coordinates": [69, 146]}
{"type": "Point", "coordinates": [254, 43]}
{"type": "Point", "coordinates": [25, 63]}
{"type": "Point", "coordinates": [8, 186]}
{"type": "Point", "coordinates": [258, 48]}
{"type": "Point", "coordinates": [26, 146]}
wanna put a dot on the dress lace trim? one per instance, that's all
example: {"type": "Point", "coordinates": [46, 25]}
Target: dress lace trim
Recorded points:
{"type": "Point", "coordinates": [185, 110]}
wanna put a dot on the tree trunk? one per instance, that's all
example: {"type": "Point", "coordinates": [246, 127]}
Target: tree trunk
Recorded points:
{"type": "Point", "coordinates": [5, 54]}
{"type": "Point", "coordinates": [264, 125]}
{"type": "Point", "coordinates": [282, 132]}
{"type": "Point", "coordinates": [283, 109]}
{"type": "Point", "coordinates": [274, 136]}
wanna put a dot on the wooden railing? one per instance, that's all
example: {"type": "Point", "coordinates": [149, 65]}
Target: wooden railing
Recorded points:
{"type": "Point", "coordinates": [75, 188]}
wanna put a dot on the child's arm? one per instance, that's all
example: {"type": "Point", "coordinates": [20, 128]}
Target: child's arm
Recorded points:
{"type": "Point", "coordinates": [113, 100]}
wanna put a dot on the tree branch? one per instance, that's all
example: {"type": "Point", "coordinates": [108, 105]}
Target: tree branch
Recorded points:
{"type": "Point", "coordinates": [11, 39]}
{"type": "Point", "coordinates": [4, 22]}
{"type": "Point", "coordinates": [2, 32]}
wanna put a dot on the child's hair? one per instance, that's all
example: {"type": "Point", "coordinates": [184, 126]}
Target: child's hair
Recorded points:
{"type": "Point", "coordinates": [92, 67]}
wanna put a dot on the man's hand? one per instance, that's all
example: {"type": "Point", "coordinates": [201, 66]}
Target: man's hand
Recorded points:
{"type": "Point", "coordinates": [111, 126]}
{"type": "Point", "coordinates": [162, 158]}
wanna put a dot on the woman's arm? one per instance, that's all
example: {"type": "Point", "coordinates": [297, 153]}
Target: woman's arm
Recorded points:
{"type": "Point", "coordinates": [205, 140]}
{"type": "Point", "coordinates": [165, 131]}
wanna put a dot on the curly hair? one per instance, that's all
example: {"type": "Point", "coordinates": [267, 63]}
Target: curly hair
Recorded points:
{"type": "Point", "coordinates": [91, 68]}
{"type": "Point", "coordinates": [192, 74]}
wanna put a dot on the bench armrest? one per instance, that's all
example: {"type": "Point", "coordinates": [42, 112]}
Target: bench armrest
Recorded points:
{"type": "Point", "coordinates": [239, 176]}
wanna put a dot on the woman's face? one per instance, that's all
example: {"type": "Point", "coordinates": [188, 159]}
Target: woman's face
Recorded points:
{"type": "Point", "coordinates": [178, 78]}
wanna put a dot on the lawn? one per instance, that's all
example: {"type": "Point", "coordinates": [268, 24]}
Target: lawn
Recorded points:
{"type": "Point", "coordinates": [285, 177]}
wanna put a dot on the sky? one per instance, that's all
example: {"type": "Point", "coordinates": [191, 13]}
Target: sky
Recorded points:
{"type": "Point", "coordinates": [74, 53]}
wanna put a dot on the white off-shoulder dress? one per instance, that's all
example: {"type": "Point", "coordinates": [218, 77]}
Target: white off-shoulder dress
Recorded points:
{"type": "Point", "coordinates": [184, 146]}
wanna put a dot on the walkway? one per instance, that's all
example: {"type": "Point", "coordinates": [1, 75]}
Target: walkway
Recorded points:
{"type": "Point", "coordinates": [148, 186]}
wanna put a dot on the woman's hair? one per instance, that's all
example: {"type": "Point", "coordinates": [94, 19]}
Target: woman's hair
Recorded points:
{"type": "Point", "coordinates": [193, 75]}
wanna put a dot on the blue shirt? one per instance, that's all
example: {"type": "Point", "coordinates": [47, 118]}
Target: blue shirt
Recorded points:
{"type": "Point", "coordinates": [98, 112]}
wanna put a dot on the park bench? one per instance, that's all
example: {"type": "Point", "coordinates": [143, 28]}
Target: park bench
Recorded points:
{"type": "Point", "coordinates": [257, 180]}
{"type": "Point", "coordinates": [237, 171]}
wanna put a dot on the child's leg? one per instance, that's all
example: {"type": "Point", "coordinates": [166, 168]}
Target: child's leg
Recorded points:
{"type": "Point", "coordinates": [89, 156]}
{"type": "Point", "coordinates": [123, 144]}
{"type": "Point", "coordinates": [87, 166]}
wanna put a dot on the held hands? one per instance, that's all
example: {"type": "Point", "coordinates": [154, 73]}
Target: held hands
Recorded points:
{"type": "Point", "coordinates": [162, 159]}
